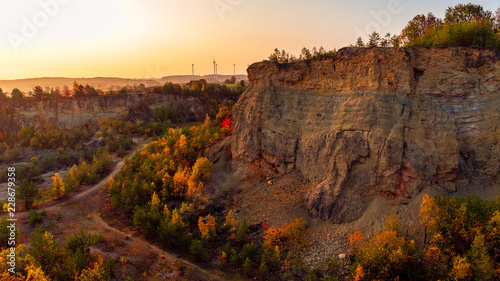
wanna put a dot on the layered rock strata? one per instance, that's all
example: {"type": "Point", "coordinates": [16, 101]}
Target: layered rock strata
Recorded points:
{"type": "Point", "coordinates": [373, 121]}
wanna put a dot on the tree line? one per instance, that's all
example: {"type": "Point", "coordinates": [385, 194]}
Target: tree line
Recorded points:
{"type": "Point", "coordinates": [462, 25]}
{"type": "Point", "coordinates": [461, 242]}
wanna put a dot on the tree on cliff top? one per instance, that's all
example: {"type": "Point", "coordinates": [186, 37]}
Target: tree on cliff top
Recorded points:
{"type": "Point", "coordinates": [16, 94]}
{"type": "Point", "coordinates": [373, 39]}
{"type": "Point", "coordinates": [463, 25]}
{"type": "Point", "coordinates": [3, 95]}
{"type": "Point", "coordinates": [418, 26]}
{"type": "Point", "coordinates": [466, 13]}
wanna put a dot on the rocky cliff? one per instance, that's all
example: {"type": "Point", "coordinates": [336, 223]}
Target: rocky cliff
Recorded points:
{"type": "Point", "coordinates": [373, 122]}
{"type": "Point", "coordinates": [67, 113]}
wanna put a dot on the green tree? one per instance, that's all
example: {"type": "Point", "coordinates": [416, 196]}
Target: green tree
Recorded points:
{"type": "Point", "coordinates": [466, 13]}
{"type": "Point", "coordinates": [482, 265]}
{"type": "Point", "coordinates": [359, 42]}
{"type": "Point", "coordinates": [54, 93]}
{"type": "Point", "coordinates": [16, 94]}
{"type": "Point", "coordinates": [27, 192]}
{"type": "Point", "coordinates": [5, 233]}
{"type": "Point", "coordinates": [35, 144]}
{"type": "Point", "coordinates": [44, 249]}
{"type": "Point", "coordinates": [3, 95]}
{"type": "Point", "coordinates": [395, 41]}
{"type": "Point", "coordinates": [373, 39]}
{"type": "Point", "coordinates": [306, 54]}
{"type": "Point", "coordinates": [25, 135]}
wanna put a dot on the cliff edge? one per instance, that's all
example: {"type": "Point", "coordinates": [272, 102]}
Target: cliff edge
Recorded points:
{"type": "Point", "coordinates": [373, 122]}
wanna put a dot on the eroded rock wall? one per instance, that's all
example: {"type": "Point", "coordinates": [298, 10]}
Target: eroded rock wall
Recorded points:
{"type": "Point", "coordinates": [373, 121]}
{"type": "Point", "coordinates": [68, 113]}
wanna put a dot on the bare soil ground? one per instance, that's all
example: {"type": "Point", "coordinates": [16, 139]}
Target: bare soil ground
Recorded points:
{"type": "Point", "coordinates": [135, 257]}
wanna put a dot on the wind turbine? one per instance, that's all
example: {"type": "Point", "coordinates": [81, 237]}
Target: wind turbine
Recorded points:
{"type": "Point", "coordinates": [215, 69]}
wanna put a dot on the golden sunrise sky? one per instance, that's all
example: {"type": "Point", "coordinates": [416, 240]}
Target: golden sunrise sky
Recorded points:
{"type": "Point", "coordinates": [154, 38]}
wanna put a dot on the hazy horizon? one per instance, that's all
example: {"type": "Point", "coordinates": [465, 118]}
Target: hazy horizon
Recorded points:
{"type": "Point", "coordinates": [156, 38]}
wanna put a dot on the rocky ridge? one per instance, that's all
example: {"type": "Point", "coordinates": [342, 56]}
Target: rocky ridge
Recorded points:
{"type": "Point", "coordinates": [68, 113]}
{"type": "Point", "coordinates": [373, 122]}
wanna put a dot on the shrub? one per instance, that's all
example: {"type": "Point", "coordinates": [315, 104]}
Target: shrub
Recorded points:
{"type": "Point", "coordinates": [197, 250]}
{"type": "Point", "coordinates": [475, 33]}
{"type": "Point", "coordinates": [35, 217]}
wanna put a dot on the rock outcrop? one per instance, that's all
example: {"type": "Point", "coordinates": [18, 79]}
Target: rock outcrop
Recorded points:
{"type": "Point", "coordinates": [373, 121]}
{"type": "Point", "coordinates": [68, 113]}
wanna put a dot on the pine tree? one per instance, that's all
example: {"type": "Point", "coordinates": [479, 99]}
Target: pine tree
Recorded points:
{"type": "Point", "coordinates": [27, 192]}
{"type": "Point", "coordinates": [482, 265]}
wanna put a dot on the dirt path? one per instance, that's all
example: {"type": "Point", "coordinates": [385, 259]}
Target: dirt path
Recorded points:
{"type": "Point", "coordinates": [137, 241]}
{"type": "Point", "coordinates": [86, 198]}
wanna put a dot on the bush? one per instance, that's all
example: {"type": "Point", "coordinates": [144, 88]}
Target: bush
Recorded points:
{"type": "Point", "coordinates": [478, 33]}
{"type": "Point", "coordinates": [197, 250]}
{"type": "Point", "coordinates": [35, 217]}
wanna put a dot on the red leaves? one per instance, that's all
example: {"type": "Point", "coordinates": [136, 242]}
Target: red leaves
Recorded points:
{"type": "Point", "coordinates": [227, 123]}
{"type": "Point", "coordinates": [265, 225]}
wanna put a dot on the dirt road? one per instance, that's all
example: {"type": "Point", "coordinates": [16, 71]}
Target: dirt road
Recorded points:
{"type": "Point", "coordinates": [81, 209]}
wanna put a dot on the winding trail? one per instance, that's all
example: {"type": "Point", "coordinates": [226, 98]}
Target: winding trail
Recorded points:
{"type": "Point", "coordinates": [92, 191]}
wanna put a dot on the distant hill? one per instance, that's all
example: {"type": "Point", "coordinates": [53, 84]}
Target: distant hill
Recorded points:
{"type": "Point", "coordinates": [104, 83]}
{"type": "Point", "coordinates": [210, 78]}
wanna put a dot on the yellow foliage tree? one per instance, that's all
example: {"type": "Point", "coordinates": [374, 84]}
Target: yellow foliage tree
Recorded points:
{"type": "Point", "coordinates": [36, 274]}
{"type": "Point", "coordinates": [293, 235]}
{"type": "Point", "coordinates": [199, 175]}
{"type": "Point", "coordinates": [207, 227]}
{"type": "Point", "coordinates": [461, 269]}
{"type": "Point", "coordinates": [231, 224]}
{"type": "Point", "coordinates": [58, 188]}
{"type": "Point", "coordinates": [181, 179]}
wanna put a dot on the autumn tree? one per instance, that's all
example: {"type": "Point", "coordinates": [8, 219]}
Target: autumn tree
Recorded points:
{"type": "Point", "coordinates": [58, 188]}
{"type": "Point", "coordinates": [66, 92]}
{"type": "Point", "coordinates": [27, 192]}
{"type": "Point", "coordinates": [466, 13]}
{"type": "Point", "coordinates": [199, 175]}
{"type": "Point", "coordinates": [418, 26]}
{"type": "Point", "coordinates": [207, 227]}
{"type": "Point", "coordinates": [388, 255]}
{"type": "Point", "coordinates": [78, 90]}
{"type": "Point", "coordinates": [38, 93]}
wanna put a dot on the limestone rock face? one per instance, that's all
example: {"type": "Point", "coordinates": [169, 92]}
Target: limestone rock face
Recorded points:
{"type": "Point", "coordinates": [373, 121]}
{"type": "Point", "coordinates": [68, 113]}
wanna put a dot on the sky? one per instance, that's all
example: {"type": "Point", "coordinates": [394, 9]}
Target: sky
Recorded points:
{"type": "Point", "coordinates": [155, 38]}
